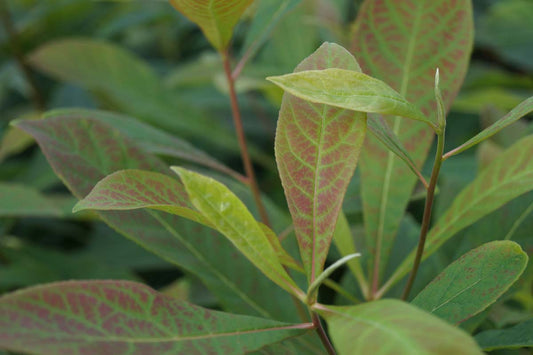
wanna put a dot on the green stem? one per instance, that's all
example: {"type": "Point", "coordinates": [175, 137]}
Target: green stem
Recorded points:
{"type": "Point", "coordinates": [239, 129]}
{"type": "Point", "coordinates": [427, 213]}
{"type": "Point", "coordinates": [322, 334]}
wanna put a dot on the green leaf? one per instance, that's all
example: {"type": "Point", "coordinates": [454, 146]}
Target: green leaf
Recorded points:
{"type": "Point", "coordinates": [216, 18]}
{"type": "Point", "coordinates": [133, 189]}
{"type": "Point", "coordinates": [519, 336]}
{"type": "Point", "coordinates": [317, 148]}
{"type": "Point", "coordinates": [19, 200]}
{"type": "Point", "coordinates": [516, 113]}
{"type": "Point", "coordinates": [123, 81]}
{"type": "Point", "coordinates": [82, 151]}
{"type": "Point", "coordinates": [347, 89]}
{"type": "Point", "coordinates": [230, 217]}
{"type": "Point", "coordinates": [473, 282]}
{"type": "Point", "coordinates": [507, 177]}
{"type": "Point", "coordinates": [121, 317]}
{"type": "Point", "coordinates": [283, 256]}
{"type": "Point", "coordinates": [402, 43]}
{"type": "Point", "coordinates": [394, 327]}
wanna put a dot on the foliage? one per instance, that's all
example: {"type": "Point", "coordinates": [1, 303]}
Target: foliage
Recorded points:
{"type": "Point", "coordinates": [153, 157]}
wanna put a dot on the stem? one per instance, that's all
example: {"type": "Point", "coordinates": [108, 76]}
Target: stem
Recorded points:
{"type": "Point", "coordinates": [248, 167]}
{"type": "Point", "coordinates": [7, 23]}
{"type": "Point", "coordinates": [427, 213]}
{"type": "Point", "coordinates": [322, 334]}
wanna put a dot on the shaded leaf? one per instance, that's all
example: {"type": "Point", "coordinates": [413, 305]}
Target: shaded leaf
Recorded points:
{"type": "Point", "coordinates": [134, 189]}
{"type": "Point", "coordinates": [19, 200]}
{"type": "Point", "coordinates": [507, 177]}
{"type": "Point", "coordinates": [216, 18]}
{"type": "Point", "coordinates": [317, 148]}
{"type": "Point", "coordinates": [518, 112]}
{"type": "Point", "coordinates": [283, 256]}
{"type": "Point", "coordinates": [402, 43]}
{"type": "Point", "coordinates": [83, 151]}
{"type": "Point", "coordinates": [347, 89]}
{"type": "Point", "coordinates": [230, 217]}
{"type": "Point", "coordinates": [394, 327]}
{"type": "Point", "coordinates": [519, 336]}
{"type": "Point", "coordinates": [121, 317]}
{"type": "Point", "coordinates": [473, 282]}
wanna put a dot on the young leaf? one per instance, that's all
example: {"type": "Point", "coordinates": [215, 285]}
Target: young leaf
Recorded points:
{"type": "Point", "coordinates": [473, 282]}
{"type": "Point", "coordinates": [394, 327]}
{"type": "Point", "coordinates": [347, 89]}
{"type": "Point", "coordinates": [216, 18]}
{"type": "Point", "coordinates": [133, 189]}
{"type": "Point", "coordinates": [402, 43]}
{"type": "Point", "coordinates": [317, 148]}
{"type": "Point", "coordinates": [230, 217]}
{"type": "Point", "coordinates": [519, 336]}
{"type": "Point", "coordinates": [82, 151]}
{"type": "Point", "coordinates": [507, 177]}
{"type": "Point", "coordinates": [516, 113]}
{"type": "Point", "coordinates": [121, 317]}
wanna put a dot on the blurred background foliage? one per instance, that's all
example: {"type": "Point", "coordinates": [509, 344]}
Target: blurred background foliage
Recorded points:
{"type": "Point", "coordinates": [143, 59]}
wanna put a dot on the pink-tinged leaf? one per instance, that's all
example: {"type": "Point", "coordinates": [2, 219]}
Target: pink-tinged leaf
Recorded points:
{"type": "Point", "coordinates": [317, 148]}
{"type": "Point", "coordinates": [403, 43]}
{"type": "Point", "coordinates": [121, 317]}
{"type": "Point", "coordinates": [506, 177]}
{"type": "Point", "coordinates": [396, 328]}
{"type": "Point", "coordinates": [82, 151]}
{"type": "Point", "coordinates": [134, 189]}
{"type": "Point", "coordinates": [216, 18]}
{"type": "Point", "coordinates": [473, 282]}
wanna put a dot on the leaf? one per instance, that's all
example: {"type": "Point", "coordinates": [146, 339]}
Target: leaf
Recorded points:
{"type": "Point", "coordinates": [82, 151]}
{"type": "Point", "coordinates": [317, 148]}
{"type": "Point", "coordinates": [507, 177]}
{"type": "Point", "coordinates": [473, 282]}
{"type": "Point", "coordinates": [18, 200]}
{"type": "Point", "coordinates": [122, 80]}
{"type": "Point", "coordinates": [283, 256]}
{"type": "Point", "coordinates": [394, 327]}
{"type": "Point", "coordinates": [519, 336]}
{"type": "Point", "coordinates": [516, 113]}
{"type": "Point", "coordinates": [216, 18]}
{"type": "Point", "coordinates": [121, 317]}
{"type": "Point", "coordinates": [230, 217]}
{"type": "Point", "coordinates": [402, 43]}
{"type": "Point", "coordinates": [133, 189]}
{"type": "Point", "coordinates": [347, 89]}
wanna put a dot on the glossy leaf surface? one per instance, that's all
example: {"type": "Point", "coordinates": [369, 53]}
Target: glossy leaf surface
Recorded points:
{"type": "Point", "coordinates": [394, 327]}
{"type": "Point", "coordinates": [82, 151]}
{"type": "Point", "coordinates": [402, 43]}
{"type": "Point", "coordinates": [317, 148]}
{"type": "Point", "coordinates": [216, 18]}
{"type": "Point", "coordinates": [347, 89]}
{"type": "Point", "coordinates": [120, 317]}
{"type": "Point", "coordinates": [519, 336]}
{"type": "Point", "coordinates": [507, 177]}
{"type": "Point", "coordinates": [230, 217]}
{"type": "Point", "coordinates": [516, 113]}
{"type": "Point", "coordinates": [473, 282]}
{"type": "Point", "coordinates": [134, 189]}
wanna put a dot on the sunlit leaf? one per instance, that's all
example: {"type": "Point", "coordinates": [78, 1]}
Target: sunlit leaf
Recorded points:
{"type": "Point", "coordinates": [507, 177]}
{"type": "Point", "coordinates": [133, 189]}
{"type": "Point", "coordinates": [518, 112]}
{"type": "Point", "coordinates": [230, 217]}
{"type": "Point", "coordinates": [121, 317]}
{"type": "Point", "coordinates": [317, 148]}
{"type": "Point", "coordinates": [519, 336]}
{"type": "Point", "coordinates": [394, 327]}
{"type": "Point", "coordinates": [473, 282]}
{"type": "Point", "coordinates": [216, 18]}
{"type": "Point", "coordinates": [83, 151]}
{"type": "Point", "coordinates": [403, 43]}
{"type": "Point", "coordinates": [347, 89]}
